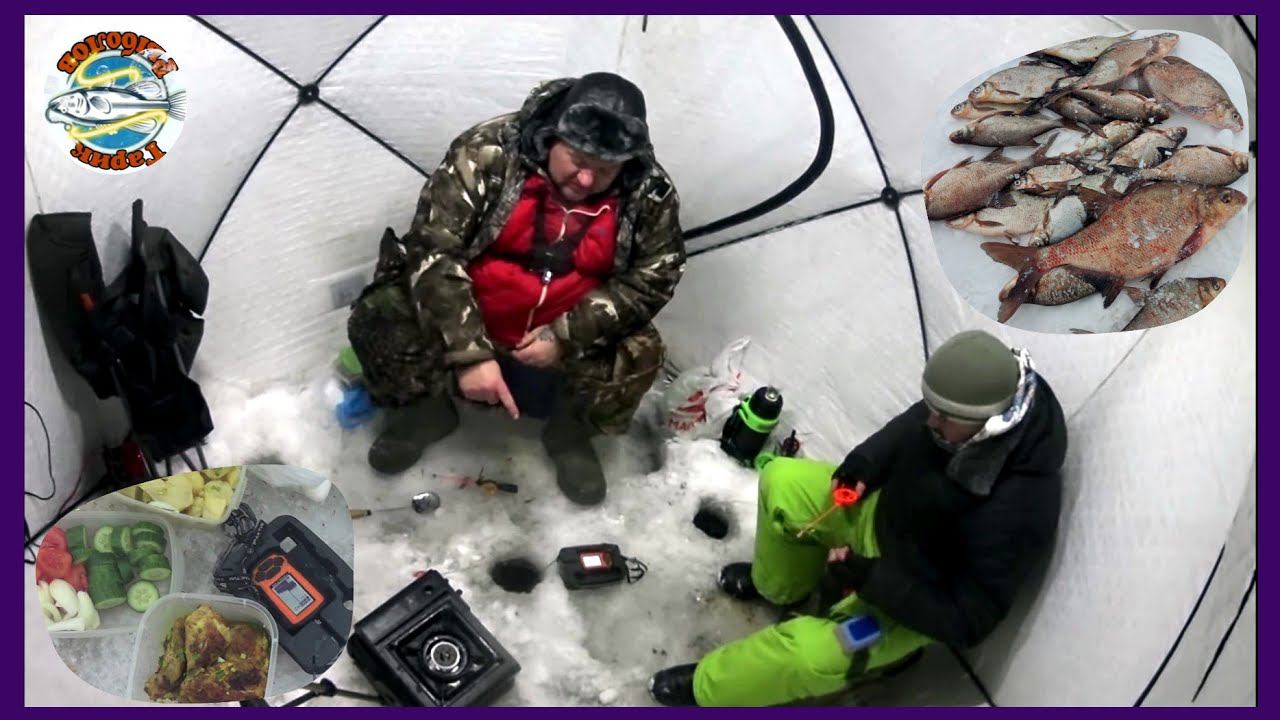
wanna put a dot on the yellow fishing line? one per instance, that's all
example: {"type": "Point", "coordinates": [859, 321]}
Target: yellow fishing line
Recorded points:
{"type": "Point", "coordinates": [159, 115]}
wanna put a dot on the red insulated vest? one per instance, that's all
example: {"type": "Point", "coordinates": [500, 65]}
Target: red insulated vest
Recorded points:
{"type": "Point", "coordinates": [514, 299]}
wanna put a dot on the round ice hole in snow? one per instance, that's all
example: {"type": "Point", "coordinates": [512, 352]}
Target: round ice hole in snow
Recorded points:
{"type": "Point", "coordinates": [516, 575]}
{"type": "Point", "coordinates": [712, 520]}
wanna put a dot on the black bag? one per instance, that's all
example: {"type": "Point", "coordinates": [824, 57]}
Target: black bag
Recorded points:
{"type": "Point", "coordinates": [136, 338]}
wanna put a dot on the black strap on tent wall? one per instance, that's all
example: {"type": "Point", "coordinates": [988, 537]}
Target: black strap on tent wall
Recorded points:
{"type": "Point", "coordinates": [1222, 644]}
{"type": "Point", "coordinates": [826, 140]}
{"type": "Point", "coordinates": [890, 196]}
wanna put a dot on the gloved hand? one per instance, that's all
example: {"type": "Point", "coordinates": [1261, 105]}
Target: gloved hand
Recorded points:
{"type": "Point", "coordinates": [851, 473]}
{"type": "Point", "coordinates": [846, 573]}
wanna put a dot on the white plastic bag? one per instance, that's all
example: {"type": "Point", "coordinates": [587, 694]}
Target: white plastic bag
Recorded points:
{"type": "Point", "coordinates": [309, 484]}
{"type": "Point", "coordinates": [700, 399]}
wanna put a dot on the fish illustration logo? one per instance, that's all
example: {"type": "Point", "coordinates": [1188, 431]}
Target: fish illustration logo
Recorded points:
{"type": "Point", "coordinates": [122, 105]}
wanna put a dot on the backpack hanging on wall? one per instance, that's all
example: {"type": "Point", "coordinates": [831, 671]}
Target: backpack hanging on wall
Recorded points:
{"type": "Point", "coordinates": [134, 339]}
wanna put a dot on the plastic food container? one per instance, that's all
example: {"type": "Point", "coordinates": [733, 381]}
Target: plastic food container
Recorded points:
{"type": "Point", "coordinates": [157, 621]}
{"type": "Point", "coordinates": [122, 618]}
{"type": "Point", "coordinates": [232, 504]}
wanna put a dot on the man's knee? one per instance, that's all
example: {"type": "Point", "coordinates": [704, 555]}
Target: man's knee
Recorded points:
{"type": "Point", "coordinates": [786, 481]}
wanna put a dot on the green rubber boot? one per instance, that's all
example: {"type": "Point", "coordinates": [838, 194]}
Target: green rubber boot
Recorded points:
{"type": "Point", "coordinates": [578, 472]}
{"type": "Point", "coordinates": [409, 431]}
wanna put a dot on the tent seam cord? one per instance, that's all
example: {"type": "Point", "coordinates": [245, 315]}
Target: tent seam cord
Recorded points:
{"type": "Point", "coordinates": [1178, 640]}
{"type": "Point", "coordinates": [226, 210]}
{"type": "Point", "coordinates": [856, 108]}
{"type": "Point", "coordinates": [350, 47]}
{"type": "Point", "coordinates": [785, 225]}
{"type": "Point", "coordinates": [1222, 644]}
{"type": "Point", "coordinates": [973, 676]}
{"type": "Point", "coordinates": [826, 139]}
{"type": "Point", "coordinates": [915, 284]}
{"type": "Point", "coordinates": [799, 221]}
{"type": "Point", "coordinates": [1084, 403]}
{"type": "Point", "coordinates": [385, 145]}
{"type": "Point", "coordinates": [245, 49]}
{"type": "Point", "coordinates": [884, 173]}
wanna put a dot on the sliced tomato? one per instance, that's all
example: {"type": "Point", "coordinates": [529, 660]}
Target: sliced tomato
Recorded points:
{"type": "Point", "coordinates": [56, 563]}
{"type": "Point", "coordinates": [79, 578]}
{"type": "Point", "coordinates": [55, 538]}
{"type": "Point", "coordinates": [42, 576]}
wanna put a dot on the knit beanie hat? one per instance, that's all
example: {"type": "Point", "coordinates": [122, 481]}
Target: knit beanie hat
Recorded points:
{"type": "Point", "coordinates": [972, 376]}
{"type": "Point", "coordinates": [604, 115]}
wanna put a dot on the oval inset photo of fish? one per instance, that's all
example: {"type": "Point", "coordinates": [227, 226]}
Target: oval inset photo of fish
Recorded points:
{"type": "Point", "coordinates": [221, 585]}
{"type": "Point", "coordinates": [1100, 185]}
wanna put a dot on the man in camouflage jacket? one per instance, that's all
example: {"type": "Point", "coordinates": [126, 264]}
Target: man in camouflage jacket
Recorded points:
{"type": "Point", "coordinates": [541, 249]}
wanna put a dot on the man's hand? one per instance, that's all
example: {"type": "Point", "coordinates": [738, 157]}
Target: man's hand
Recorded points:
{"type": "Point", "coordinates": [539, 348]}
{"type": "Point", "coordinates": [482, 382]}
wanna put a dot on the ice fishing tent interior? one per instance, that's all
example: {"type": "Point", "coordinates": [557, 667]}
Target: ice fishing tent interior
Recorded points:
{"type": "Point", "coordinates": [794, 144]}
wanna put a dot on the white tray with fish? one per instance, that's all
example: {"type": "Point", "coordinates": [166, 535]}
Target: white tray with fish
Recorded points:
{"type": "Point", "coordinates": [979, 279]}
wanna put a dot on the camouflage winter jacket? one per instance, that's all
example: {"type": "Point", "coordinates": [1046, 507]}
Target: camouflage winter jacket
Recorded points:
{"type": "Point", "coordinates": [469, 198]}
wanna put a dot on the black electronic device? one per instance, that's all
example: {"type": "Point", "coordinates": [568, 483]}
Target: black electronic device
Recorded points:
{"type": "Point", "coordinates": [297, 577]}
{"type": "Point", "coordinates": [593, 566]}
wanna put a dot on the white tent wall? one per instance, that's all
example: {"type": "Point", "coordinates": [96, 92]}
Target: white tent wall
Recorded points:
{"type": "Point", "coordinates": [841, 309]}
{"type": "Point", "coordinates": [1194, 663]}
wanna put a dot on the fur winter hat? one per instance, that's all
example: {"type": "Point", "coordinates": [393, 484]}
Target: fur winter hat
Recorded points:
{"type": "Point", "coordinates": [604, 115]}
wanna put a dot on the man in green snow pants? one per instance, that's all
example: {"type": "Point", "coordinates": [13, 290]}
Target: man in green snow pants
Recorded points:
{"type": "Point", "coordinates": [959, 497]}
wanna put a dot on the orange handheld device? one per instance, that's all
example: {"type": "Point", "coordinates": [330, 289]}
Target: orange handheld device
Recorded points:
{"type": "Point", "coordinates": [294, 597]}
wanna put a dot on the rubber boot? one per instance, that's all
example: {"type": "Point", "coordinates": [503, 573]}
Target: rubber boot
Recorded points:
{"type": "Point", "coordinates": [578, 472]}
{"type": "Point", "coordinates": [673, 687]}
{"type": "Point", "coordinates": [735, 580]}
{"type": "Point", "coordinates": [409, 431]}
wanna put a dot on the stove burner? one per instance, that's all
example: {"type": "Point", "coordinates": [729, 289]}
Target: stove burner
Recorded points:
{"type": "Point", "coordinates": [444, 656]}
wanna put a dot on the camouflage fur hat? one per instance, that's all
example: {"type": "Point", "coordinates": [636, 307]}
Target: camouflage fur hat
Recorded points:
{"type": "Point", "coordinates": [604, 115]}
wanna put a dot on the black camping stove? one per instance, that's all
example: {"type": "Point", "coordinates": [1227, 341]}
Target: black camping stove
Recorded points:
{"type": "Point", "coordinates": [423, 647]}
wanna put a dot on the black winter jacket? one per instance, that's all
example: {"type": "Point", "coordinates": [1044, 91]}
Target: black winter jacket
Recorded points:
{"type": "Point", "coordinates": [952, 561]}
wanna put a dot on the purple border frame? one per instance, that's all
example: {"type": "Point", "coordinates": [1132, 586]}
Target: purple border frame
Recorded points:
{"type": "Point", "coordinates": [12, 668]}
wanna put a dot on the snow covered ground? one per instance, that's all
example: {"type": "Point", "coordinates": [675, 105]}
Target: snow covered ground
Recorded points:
{"type": "Point", "coordinates": [582, 648]}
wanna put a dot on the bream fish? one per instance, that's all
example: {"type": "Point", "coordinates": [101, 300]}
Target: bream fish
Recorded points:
{"type": "Point", "coordinates": [1141, 236]}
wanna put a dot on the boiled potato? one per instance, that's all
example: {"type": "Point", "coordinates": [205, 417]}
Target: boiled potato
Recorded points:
{"type": "Point", "coordinates": [196, 509]}
{"type": "Point", "coordinates": [214, 507]}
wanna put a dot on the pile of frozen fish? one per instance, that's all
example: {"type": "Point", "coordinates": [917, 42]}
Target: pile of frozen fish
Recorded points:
{"type": "Point", "coordinates": [1126, 204]}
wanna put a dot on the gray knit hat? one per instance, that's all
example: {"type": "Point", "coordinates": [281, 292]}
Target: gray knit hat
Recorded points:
{"type": "Point", "coordinates": [972, 376]}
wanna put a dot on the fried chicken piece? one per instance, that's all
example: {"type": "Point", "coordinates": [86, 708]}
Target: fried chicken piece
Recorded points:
{"type": "Point", "coordinates": [207, 637]}
{"type": "Point", "coordinates": [173, 663]}
{"type": "Point", "coordinates": [224, 682]}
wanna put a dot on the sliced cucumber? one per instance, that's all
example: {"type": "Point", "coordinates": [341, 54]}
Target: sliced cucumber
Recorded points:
{"type": "Point", "coordinates": [139, 553]}
{"type": "Point", "coordinates": [153, 568]}
{"type": "Point", "coordinates": [78, 536]}
{"type": "Point", "coordinates": [79, 553]}
{"type": "Point", "coordinates": [137, 535]}
{"type": "Point", "coordinates": [121, 542]}
{"type": "Point", "coordinates": [154, 547]}
{"type": "Point", "coordinates": [149, 527]}
{"type": "Point", "coordinates": [142, 595]}
{"type": "Point", "coordinates": [100, 558]}
{"type": "Point", "coordinates": [126, 570]}
{"type": "Point", "coordinates": [102, 539]}
{"type": "Point", "coordinates": [105, 587]}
